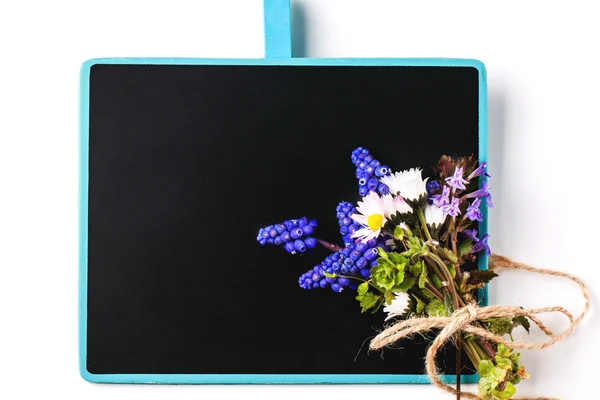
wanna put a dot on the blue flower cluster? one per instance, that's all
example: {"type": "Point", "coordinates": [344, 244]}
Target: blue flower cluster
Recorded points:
{"type": "Point", "coordinates": [347, 225]}
{"type": "Point", "coordinates": [354, 260]}
{"type": "Point", "coordinates": [292, 234]}
{"type": "Point", "coordinates": [368, 172]}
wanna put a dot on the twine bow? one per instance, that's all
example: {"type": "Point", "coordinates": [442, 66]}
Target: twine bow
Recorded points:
{"type": "Point", "coordinates": [465, 320]}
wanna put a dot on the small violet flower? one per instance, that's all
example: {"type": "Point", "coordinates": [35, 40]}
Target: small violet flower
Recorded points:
{"type": "Point", "coordinates": [482, 245]}
{"type": "Point", "coordinates": [441, 200]}
{"type": "Point", "coordinates": [480, 170]}
{"type": "Point", "coordinates": [471, 234]}
{"type": "Point", "coordinates": [457, 181]}
{"type": "Point", "coordinates": [452, 208]}
{"type": "Point", "coordinates": [483, 192]}
{"type": "Point", "coordinates": [473, 211]}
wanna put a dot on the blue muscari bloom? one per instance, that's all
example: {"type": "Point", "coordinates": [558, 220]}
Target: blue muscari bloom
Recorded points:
{"type": "Point", "coordinates": [482, 245]}
{"type": "Point", "coordinates": [473, 211]}
{"type": "Point", "coordinates": [368, 172]}
{"type": "Point", "coordinates": [293, 235]}
{"type": "Point", "coordinates": [432, 187]}
{"type": "Point", "coordinates": [347, 225]}
{"type": "Point", "coordinates": [354, 260]}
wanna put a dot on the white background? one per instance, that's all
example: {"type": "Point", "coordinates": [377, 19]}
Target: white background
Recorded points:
{"type": "Point", "coordinates": [543, 80]}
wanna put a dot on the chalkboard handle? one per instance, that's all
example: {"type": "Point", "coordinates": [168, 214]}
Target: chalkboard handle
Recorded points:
{"type": "Point", "coordinates": [278, 36]}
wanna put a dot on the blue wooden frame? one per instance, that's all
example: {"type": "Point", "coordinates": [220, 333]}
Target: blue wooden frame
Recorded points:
{"type": "Point", "coordinates": [277, 52]}
{"type": "Point", "coordinates": [248, 378]}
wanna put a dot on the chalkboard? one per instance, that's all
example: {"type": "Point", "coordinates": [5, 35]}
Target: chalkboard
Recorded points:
{"type": "Point", "coordinates": [182, 163]}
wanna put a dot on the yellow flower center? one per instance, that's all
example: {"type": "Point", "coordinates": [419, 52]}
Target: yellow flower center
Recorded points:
{"type": "Point", "coordinates": [375, 221]}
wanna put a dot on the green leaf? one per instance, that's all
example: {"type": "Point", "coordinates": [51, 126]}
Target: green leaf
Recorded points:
{"type": "Point", "coordinates": [398, 233]}
{"type": "Point", "coordinates": [435, 308]}
{"type": "Point", "coordinates": [452, 270]}
{"type": "Point", "coordinates": [502, 350]}
{"type": "Point", "coordinates": [499, 326]}
{"type": "Point", "coordinates": [420, 305]}
{"type": "Point", "coordinates": [508, 392]}
{"type": "Point", "coordinates": [428, 294]}
{"type": "Point", "coordinates": [447, 254]}
{"type": "Point", "coordinates": [369, 300]}
{"type": "Point", "coordinates": [406, 284]}
{"type": "Point", "coordinates": [397, 259]}
{"type": "Point", "coordinates": [389, 297]}
{"type": "Point", "coordinates": [503, 363]}
{"type": "Point", "coordinates": [382, 253]}
{"type": "Point", "coordinates": [329, 275]}
{"type": "Point", "coordinates": [423, 275]}
{"type": "Point", "coordinates": [484, 276]}
{"type": "Point", "coordinates": [363, 288]}
{"type": "Point", "coordinates": [383, 275]}
{"type": "Point", "coordinates": [521, 321]}
{"type": "Point", "coordinates": [436, 282]}
{"type": "Point", "coordinates": [465, 247]}
{"type": "Point", "coordinates": [399, 275]}
{"type": "Point", "coordinates": [485, 367]}
{"type": "Point", "coordinates": [448, 303]}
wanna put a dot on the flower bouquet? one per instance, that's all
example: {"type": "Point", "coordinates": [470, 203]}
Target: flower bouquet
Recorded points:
{"type": "Point", "coordinates": [410, 250]}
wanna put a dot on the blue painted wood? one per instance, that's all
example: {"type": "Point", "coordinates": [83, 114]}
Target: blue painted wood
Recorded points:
{"type": "Point", "coordinates": [278, 34]}
{"type": "Point", "coordinates": [249, 378]}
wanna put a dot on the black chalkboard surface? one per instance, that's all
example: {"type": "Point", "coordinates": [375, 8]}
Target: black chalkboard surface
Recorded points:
{"type": "Point", "coordinates": [187, 162]}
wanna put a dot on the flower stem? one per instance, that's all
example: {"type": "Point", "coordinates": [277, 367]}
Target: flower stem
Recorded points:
{"type": "Point", "coordinates": [329, 246]}
{"type": "Point", "coordinates": [423, 223]}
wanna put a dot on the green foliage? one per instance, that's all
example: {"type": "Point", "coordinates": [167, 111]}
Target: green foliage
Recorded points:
{"type": "Point", "coordinates": [398, 233]}
{"type": "Point", "coordinates": [448, 303]}
{"type": "Point", "coordinates": [420, 305]}
{"type": "Point", "coordinates": [521, 321]}
{"type": "Point", "coordinates": [369, 301]}
{"type": "Point", "coordinates": [422, 274]}
{"type": "Point", "coordinates": [406, 284]}
{"type": "Point", "coordinates": [498, 377]}
{"type": "Point", "coordinates": [504, 326]}
{"type": "Point", "coordinates": [363, 288]}
{"type": "Point", "coordinates": [436, 282]}
{"type": "Point", "coordinates": [436, 308]}
{"type": "Point", "coordinates": [483, 276]}
{"type": "Point", "coordinates": [415, 248]}
{"type": "Point", "coordinates": [447, 254]}
{"type": "Point", "coordinates": [329, 275]}
{"type": "Point", "coordinates": [464, 247]}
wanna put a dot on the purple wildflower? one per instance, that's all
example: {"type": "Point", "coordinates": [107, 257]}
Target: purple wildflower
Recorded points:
{"type": "Point", "coordinates": [473, 212]}
{"type": "Point", "coordinates": [480, 170]}
{"type": "Point", "coordinates": [483, 192]}
{"type": "Point", "coordinates": [443, 199]}
{"type": "Point", "coordinates": [456, 181]}
{"type": "Point", "coordinates": [482, 245]}
{"type": "Point", "coordinates": [452, 208]}
{"type": "Point", "coordinates": [471, 234]}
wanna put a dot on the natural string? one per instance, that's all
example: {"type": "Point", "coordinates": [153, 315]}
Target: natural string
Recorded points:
{"type": "Point", "coordinates": [463, 319]}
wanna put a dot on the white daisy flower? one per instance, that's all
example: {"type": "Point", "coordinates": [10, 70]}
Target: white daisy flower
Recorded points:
{"type": "Point", "coordinates": [409, 184]}
{"type": "Point", "coordinates": [434, 216]}
{"type": "Point", "coordinates": [371, 215]}
{"type": "Point", "coordinates": [393, 205]}
{"type": "Point", "coordinates": [398, 306]}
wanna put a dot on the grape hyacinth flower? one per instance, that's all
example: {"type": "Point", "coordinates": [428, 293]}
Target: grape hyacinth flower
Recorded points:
{"type": "Point", "coordinates": [484, 193]}
{"type": "Point", "coordinates": [432, 187]}
{"type": "Point", "coordinates": [292, 234]}
{"type": "Point", "coordinates": [473, 211]}
{"type": "Point", "coordinates": [347, 225]}
{"type": "Point", "coordinates": [355, 260]}
{"type": "Point", "coordinates": [452, 209]}
{"type": "Point", "coordinates": [457, 181]}
{"type": "Point", "coordinates": [482, 245]}
{"type": "Point", "coordinates": [443, 199]}
{"type": "Point", "coordinates": [367, 171]}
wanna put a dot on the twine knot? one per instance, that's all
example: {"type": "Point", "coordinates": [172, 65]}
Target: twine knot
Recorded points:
{"type": "Point", "coordinates": [467, 319]}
